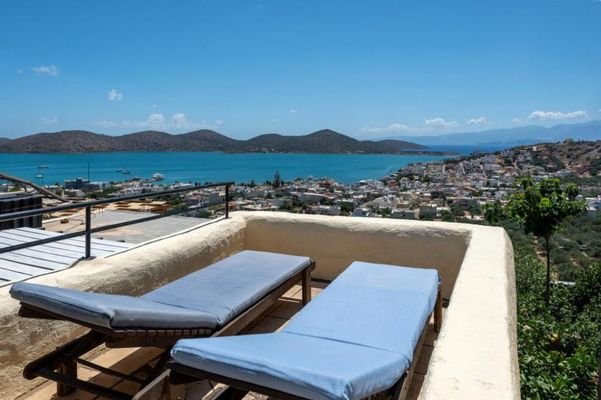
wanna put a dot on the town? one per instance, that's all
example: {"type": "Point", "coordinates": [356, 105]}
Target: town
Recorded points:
{"type": "Point", "coordinates": [455, 189]}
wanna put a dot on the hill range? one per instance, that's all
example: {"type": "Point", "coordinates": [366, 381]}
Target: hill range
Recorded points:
{"type": "Point", "coordinates": [508, 137]}
{"type": "Point", "coordinates": [323, 141]}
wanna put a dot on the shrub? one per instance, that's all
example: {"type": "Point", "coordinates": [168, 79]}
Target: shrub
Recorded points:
{"type": "Point", "coordinates": [558, 346]}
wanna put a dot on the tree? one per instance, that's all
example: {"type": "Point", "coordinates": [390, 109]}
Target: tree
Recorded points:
{"type": "Point", "coordinates": [494, 213]}
{"type": "Point", "coordinates": [447, 216]}
{"type": "Point", "coordinates": [541, 208]}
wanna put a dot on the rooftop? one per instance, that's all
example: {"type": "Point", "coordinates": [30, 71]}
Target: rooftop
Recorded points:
{"type": "Point", "coordinates": [473, 356]}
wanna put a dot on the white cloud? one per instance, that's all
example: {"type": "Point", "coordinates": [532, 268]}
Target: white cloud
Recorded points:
{"type": "Point", "coordinates": [477, 121]}
{"type": "Point", "coordinates": [440, 123]}
{"type": "Point", "coordinates": [178, 121]}
{"type": "Point", "coordinates": [155, 120]}
{"type": "Point", "coordinates": [114, 95]}
{"type": "Point", "coordinates": [293, 110]}
{"type": "Point", "coordinates": [50, 70]}
{"type": "Point", "coordinates": [556, 115]}
{"type": "Point", "coordinates": [49, 120]}
{"type": "Point", "coordinates": [392, 128]}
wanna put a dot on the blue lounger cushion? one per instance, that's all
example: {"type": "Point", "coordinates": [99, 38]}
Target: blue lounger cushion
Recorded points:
{"type": "Point", "coordinates": [110, 311]}
{"type": "Point", "coordinates": [303, 365]}
{"type": "Point", "coordinates": [355, 339]}
{"type": "Point", "coordinates": [206, 299]}
{"type": "Point", "coordinates": [375, 305]}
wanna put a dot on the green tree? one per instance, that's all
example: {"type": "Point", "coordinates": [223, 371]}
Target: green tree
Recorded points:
{"type": "Point", "coordinates": [494, 213]}
{"type": "Point", "coordinates": [541, 208]}
{"type": "Point", "coordinates": [447, 216]}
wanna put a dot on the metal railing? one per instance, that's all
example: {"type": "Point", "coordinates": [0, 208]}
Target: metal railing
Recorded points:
{"type": "Point", "coordinates": [89, 205]}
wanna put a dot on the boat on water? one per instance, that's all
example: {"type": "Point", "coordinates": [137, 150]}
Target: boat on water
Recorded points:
{"type": "Point", "coordinates": [125, 172]}
{"type": "Point", "coordinates": [39, 176]}
{"type": "Point", "coordinates": [119, 170]}
{"type": "Point", "coordinates": [158, 177]}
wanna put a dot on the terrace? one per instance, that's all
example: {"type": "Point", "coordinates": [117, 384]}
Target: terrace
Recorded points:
{"type": "Point", "coordinates": [473, 356]}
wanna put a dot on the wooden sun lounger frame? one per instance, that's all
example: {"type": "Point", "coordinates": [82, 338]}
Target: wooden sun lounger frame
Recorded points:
{"type": "Point", "coordinates": [60, 365]}
{"type": "Point", "coordinates": [236, 390]}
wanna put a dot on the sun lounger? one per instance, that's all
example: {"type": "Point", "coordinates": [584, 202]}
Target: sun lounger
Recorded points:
{"type": "Point", "coordinates": [218, 300]}
{"type": "Point", "coordinates": [358, 338]}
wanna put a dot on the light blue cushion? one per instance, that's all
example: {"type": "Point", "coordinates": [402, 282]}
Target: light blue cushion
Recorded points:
{"type": "Point", "coordinates": [208, 298]}
{"type": "Point", "coordinates": [355, 339]}
{"type": "Point", "coordinates": [108, 310]}
{"type": "Point", "coordinates": [375, 305]}
{"type": "Point", "coordinates": [302, 365]}
{"type": "Point", "coordinates": [231, 285]}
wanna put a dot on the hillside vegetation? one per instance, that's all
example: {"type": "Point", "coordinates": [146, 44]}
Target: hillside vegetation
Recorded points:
{"type": "Point", "coordinates": [323, 141]}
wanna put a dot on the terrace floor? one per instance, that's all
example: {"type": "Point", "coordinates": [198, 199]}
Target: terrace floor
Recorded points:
{"type": "Point", "coordinates": [135, 361]}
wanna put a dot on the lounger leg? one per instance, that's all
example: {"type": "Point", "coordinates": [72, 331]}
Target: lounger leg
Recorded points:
{"type": "Point", "coordinates": [438, 312]}
{"type": "Point", "coordinates": [306, 286]}
{"type": "Point", "coordinates": [67, 368]}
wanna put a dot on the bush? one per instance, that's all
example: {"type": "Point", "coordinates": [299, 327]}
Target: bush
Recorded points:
{"type": "Point", "coordinates": [558, 346]}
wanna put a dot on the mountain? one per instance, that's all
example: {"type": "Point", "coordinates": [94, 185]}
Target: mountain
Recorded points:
{"type": "Point", "coordinates": [514, 136]}
{"type": "Point", "coordinates": [59, 142]}
{"type": "Point", "coordinates": [207, 140]}
{"type": "Point", "coordinates": [323, 141]}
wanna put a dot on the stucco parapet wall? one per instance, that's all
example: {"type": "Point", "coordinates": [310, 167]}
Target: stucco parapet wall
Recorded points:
{"type": "Point", "coordinates": [134, 271]}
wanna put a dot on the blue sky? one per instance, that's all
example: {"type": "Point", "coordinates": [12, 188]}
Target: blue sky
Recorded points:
{"type": "Point", "coordinates": [364, 68]}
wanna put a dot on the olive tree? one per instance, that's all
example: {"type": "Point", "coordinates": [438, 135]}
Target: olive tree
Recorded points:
{"type": "Point", "coordinates": [540, 208]}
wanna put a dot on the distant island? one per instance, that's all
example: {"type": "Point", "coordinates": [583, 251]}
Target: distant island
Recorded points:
{"type": "Point", "coordinates": [323, 141]}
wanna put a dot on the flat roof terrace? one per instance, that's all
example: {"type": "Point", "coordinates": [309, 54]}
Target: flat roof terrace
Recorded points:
{"type": "Point", "coordinates": [473, 356]}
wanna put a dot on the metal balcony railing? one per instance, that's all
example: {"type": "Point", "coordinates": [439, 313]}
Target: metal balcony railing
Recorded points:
{"type": "Point", "coordinates": [89, 205]}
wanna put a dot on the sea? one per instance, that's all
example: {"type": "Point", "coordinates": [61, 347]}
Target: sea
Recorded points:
{"type": "Point", "coordinates": [49, 169]}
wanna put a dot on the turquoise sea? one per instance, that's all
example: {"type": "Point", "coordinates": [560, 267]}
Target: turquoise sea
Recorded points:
{"type": "Point", "coordinates": [203, 167]}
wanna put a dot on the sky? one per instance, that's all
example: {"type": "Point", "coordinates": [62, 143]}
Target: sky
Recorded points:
{"type": "Point", "coordinates": [368, 69]}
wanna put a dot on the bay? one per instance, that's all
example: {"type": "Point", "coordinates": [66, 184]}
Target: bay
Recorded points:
{"type": "Point", "coordinates": [204, 167]}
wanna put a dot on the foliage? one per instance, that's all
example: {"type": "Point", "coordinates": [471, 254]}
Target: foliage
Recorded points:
{"type": "Point", "coordinates": [494, 213]}
{"type": "Point", "coordinates": [447, 216]}
{"type": "Point", "coordinates": [203, 213]}
{"type": "Point", "coordinates": [576, 245]}
{"type": "Point", "coordinates": [541, 207]}
{"type": "Point", "coordinates": [558, 346]}
{"type": "Point", "coordinates": [595, 166]}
